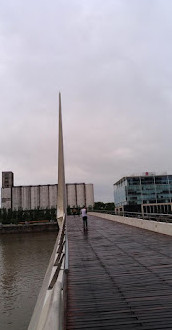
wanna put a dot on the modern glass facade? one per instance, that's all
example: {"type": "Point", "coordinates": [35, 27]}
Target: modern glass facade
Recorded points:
{"type": "Point", "coordinates": [138, 190]}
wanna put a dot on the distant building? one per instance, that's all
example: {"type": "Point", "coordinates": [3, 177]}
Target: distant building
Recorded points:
{"type": "Point", "coordinates": [42, 196]}
{"type": "Point", "coordinates": [148, 193]}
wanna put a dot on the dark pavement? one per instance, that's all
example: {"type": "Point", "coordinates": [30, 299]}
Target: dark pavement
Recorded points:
{"type": "Point", "coordinates": [120, 277]}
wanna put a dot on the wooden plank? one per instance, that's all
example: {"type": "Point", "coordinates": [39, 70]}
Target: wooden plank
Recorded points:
{"type": "Point", "coordinates": [120, 277]}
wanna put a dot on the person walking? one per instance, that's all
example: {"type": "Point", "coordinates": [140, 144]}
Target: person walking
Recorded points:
{"type": "Point", "coordinates": [84, 217]}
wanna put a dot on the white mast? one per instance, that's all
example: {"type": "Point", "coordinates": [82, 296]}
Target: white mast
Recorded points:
{"type": "Point", "coordinates": [61, 194]}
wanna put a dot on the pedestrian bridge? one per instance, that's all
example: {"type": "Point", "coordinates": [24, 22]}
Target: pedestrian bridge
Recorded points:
{"type": "Point", "coordinates": [113, 276]}
{"type": "Point", "coordinates": [120, 277]}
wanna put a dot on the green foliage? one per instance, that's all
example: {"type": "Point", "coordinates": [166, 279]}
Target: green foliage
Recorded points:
{"type": "Point", "coordinates": [68, 210]}
{"type": "Point", "coordinates": [110, 206]}
{"type": "Point", "coordinates": [99, 206]}
{"type": "Point", "coordinates": [74, 210]}
{"type": "Point", "coordinates": [19, 216]}
{"type": "Point", "coordinates": [104, 206]}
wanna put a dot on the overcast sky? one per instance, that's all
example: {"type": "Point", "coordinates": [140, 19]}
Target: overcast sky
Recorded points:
{"type": "Point", "coordinates": [112, 62]}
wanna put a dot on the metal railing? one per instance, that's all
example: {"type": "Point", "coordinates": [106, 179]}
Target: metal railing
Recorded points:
{"type": "Point", "coordinates": [159, 217]}
{"type": "Point", "coordinates": [50, 307]}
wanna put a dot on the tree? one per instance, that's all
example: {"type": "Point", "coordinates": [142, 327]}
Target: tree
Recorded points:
{"type": "Point", "coordinates": [104, 206]}
{"type": "Point", "coordinates": [99, 206]}
{"type": "Point", "coordinates": [110, 206]}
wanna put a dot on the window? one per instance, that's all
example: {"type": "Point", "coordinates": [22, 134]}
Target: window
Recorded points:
{"type": "Point", "coordinates": [161, 179]}
{"type": "Point", "coordinates": [147, 180]}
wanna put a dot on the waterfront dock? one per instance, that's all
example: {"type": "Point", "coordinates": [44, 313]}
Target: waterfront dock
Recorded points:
{"type": "Point", "coordinates": [28, 227]}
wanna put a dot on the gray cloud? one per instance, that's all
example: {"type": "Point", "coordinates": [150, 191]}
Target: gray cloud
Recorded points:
{"type": "Point", "coordinates": [112, 62]}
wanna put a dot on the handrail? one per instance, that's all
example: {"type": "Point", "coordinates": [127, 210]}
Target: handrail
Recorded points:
{"type": "Point", "coordinates": [49, 310]}
{"type": "Point", "coordinates": [160, 217]}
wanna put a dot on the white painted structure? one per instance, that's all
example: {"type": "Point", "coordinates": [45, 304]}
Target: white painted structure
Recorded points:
{"type": "Point", "coordinates": [49, 310]}
{"type": "Point", "coordinates": [158, 227]}
{"type": "Point", "coordinates": [44, 196]}
{"type": "Point", "coordinates": [61, 194]}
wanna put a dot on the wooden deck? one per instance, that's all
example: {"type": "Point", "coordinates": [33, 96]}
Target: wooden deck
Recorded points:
{"type": "Point", "coordinates": [120, 277]}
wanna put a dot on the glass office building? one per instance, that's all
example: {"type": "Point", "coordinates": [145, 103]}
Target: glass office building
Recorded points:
{"type": "Point", "coordinates": [153, 193]}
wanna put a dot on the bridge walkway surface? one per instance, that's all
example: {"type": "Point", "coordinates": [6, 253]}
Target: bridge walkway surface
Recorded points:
{"type": "Point", "coordinates": [120, 277]}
